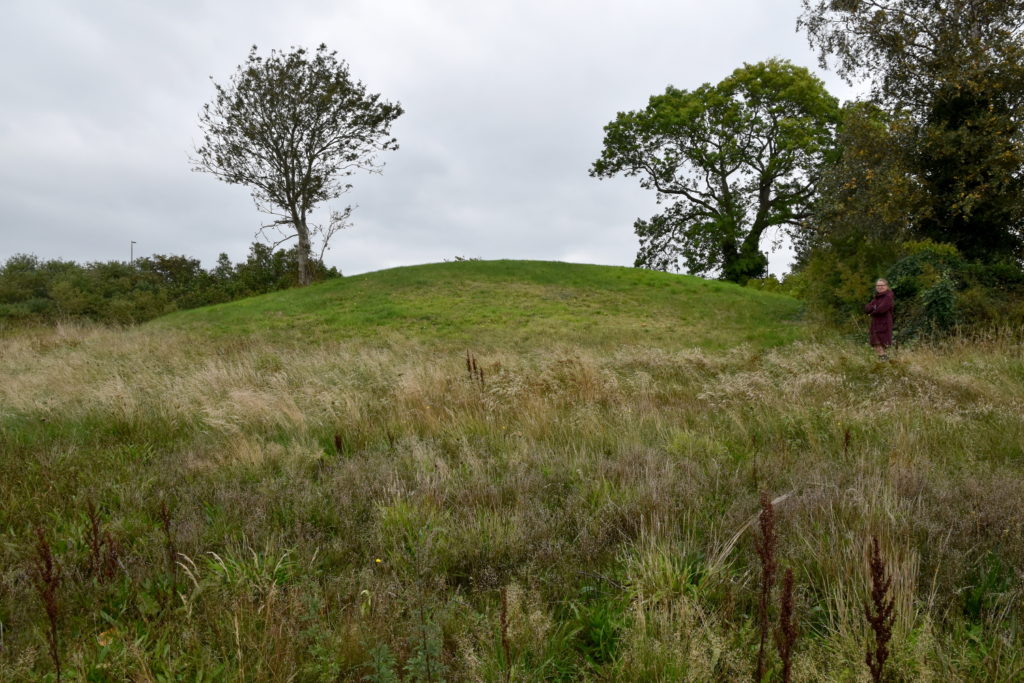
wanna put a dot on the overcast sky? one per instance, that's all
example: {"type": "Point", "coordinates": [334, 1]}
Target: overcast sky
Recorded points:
{"type": "Point", "coordinates": [505, 102]}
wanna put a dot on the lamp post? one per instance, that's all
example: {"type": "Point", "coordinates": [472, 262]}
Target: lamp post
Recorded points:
{"type": "Point", "coordinates": [132, 261]}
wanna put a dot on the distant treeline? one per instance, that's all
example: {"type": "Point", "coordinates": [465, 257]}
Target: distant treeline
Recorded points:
{"type": "Point", "coordinates": [34, 290]}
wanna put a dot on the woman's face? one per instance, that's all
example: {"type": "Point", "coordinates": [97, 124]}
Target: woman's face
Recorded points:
{"type": "Point", "coordinates": [881, 286]}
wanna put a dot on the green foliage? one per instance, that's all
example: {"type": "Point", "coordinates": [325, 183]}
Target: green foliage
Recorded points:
{"type": "Point", "coordinates": [924, 283]}
{"type": "Point", "coordinates": [989, 586]}
{"type": "Point", "coordinates": [952, 73]}
{"type": "Point", "coordinates": [426, 663]}
{"type": "Point", "coordinates": [943, 291]}
{"type": "Point", "coordinates": [32, 290]}
{"type": "Point", "coordinates": [935, 159]}
{"type": "Point", "coordinates": [862, 216]}
{"type": "Point", "coordinates": [937, 291]}
{"type": "Point", "coordinates": [598, 622]}
{"type": "Point", "coordinates": [791, 284]}
{"type": "Point", "coordinates": [867, 193]}
{"type": "Point", "coordinates": [939, 305]}
{"type": "Point", "coordinates": [992, 295]}
{"type": "Point", "coordinates": [290, 126]}
{"type": "Point", "coordinates": [268, 270]}
{"type": "Point", "coordinates": [836, 284]}
{"type": "Point", "coordinates": [24, 285]}
{"type": "Point", "coordinates": [734, 159]}
{"type": "Point", "coordinates": [864, 220]}
{"type": "Point", "coordinates": [382, 665]}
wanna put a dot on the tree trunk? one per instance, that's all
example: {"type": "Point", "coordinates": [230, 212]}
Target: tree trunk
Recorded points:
{"type": "Point", "coordinates": [729, 257]}
{"type": "Point", "coordinates": [305, 277]}
{"type": "Point", "coordinates": [744, 261]}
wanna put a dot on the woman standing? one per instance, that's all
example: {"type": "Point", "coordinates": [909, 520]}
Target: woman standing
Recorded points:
{"type": "Point", "coordinates": [880, 310]}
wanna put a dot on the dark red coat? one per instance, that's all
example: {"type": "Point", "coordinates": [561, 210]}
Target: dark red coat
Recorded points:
{"type": "Point", "coordinates": [880, 310]}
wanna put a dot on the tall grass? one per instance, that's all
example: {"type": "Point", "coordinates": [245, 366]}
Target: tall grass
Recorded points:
{"type": "Point", "coordinates": [364, 509]}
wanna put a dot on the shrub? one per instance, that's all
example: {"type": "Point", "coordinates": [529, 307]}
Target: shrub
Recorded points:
{"type": "Point", "coordinates": [32, 290]}
{"type": "Point", "coordinates": [936, 290]}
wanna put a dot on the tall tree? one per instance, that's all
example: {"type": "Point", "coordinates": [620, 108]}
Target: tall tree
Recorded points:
{"type": "Point", "coordinates": [734, 159]}
{"type": "Point", "coordinates": [866, 193]}
{"type": "Point", "coordinates": [955, 69]}
{"type": "Point", "coordinates": [291, 126]}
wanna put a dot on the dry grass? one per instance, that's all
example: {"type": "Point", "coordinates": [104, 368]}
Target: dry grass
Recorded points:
{"type": "Point", "coordinates": [602, 491]}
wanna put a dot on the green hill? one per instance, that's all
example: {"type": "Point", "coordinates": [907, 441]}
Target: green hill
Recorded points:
{"type": "Point", "coordinates": [499, 302]}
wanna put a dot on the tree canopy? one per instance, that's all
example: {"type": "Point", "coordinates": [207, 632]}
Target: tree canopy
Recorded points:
{"type": "Point", "coordinates": [866, 193]}
{"type": "Point", "coordinates": [954, 70]}
{"type": "Point", "coordinates": [290, 127]}
{"type": "Point", "coordinates": [732, 160]}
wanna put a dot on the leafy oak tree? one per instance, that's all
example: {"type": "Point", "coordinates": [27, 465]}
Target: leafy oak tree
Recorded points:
{"type": "Point", "coordinates": [954, 69]}
{"type": "Point", "coordinates": [290, 127]}
{"type": "Point", "coordinates": [731, 160]}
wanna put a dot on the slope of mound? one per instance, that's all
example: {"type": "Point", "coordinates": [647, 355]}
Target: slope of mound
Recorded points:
{"type": "Point", "coordinates": [517, 302]}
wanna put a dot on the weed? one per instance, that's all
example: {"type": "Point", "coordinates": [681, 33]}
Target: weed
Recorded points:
{"type": "Point", "coordinates": [47, 579]}
{"type": "Point", "coordinates": [425, 664]}
{"type": "Point", "coordinates": [765, 547]}
{"type": "Point", "coordinates": [94, 539]}
{"type": "Point", "coordinates": [382, 665]}
{"type": "Point", "coordinates": [989, 582]}
{"type": "Point", "coordinates": [599, 624]}
{"type": "Point", "coordinates": [879, 614]}
{"type": "Point", "coordinates": [104, 549]}
{"type": "Point", "coordinates": [475, 371]}
{"type": "Point", "coordinates": [785, 635]}
{"type": "Point", "coordinates": [111, 557]}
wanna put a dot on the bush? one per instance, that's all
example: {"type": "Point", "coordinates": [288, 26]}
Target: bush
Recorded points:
{"type": "Point", "coordinates": [936, 290]}
{"type": "Point", "coordinates": [32, 290]}
{"type": "Point", "coordinates": [925, 284]}
{"type": "Point", "coordinates": [837, 283]}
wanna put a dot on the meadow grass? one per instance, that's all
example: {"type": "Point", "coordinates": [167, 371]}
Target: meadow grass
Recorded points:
{"type": "Point", "coordinates": [363, 507]}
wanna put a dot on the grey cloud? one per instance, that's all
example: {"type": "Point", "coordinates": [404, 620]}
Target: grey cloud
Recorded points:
{"type": "Point", "coordinates": [505, 103]}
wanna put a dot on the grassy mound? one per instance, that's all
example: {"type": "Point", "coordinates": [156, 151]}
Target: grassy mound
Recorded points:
{"type": "Point", "coordinates": [491, 303]}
